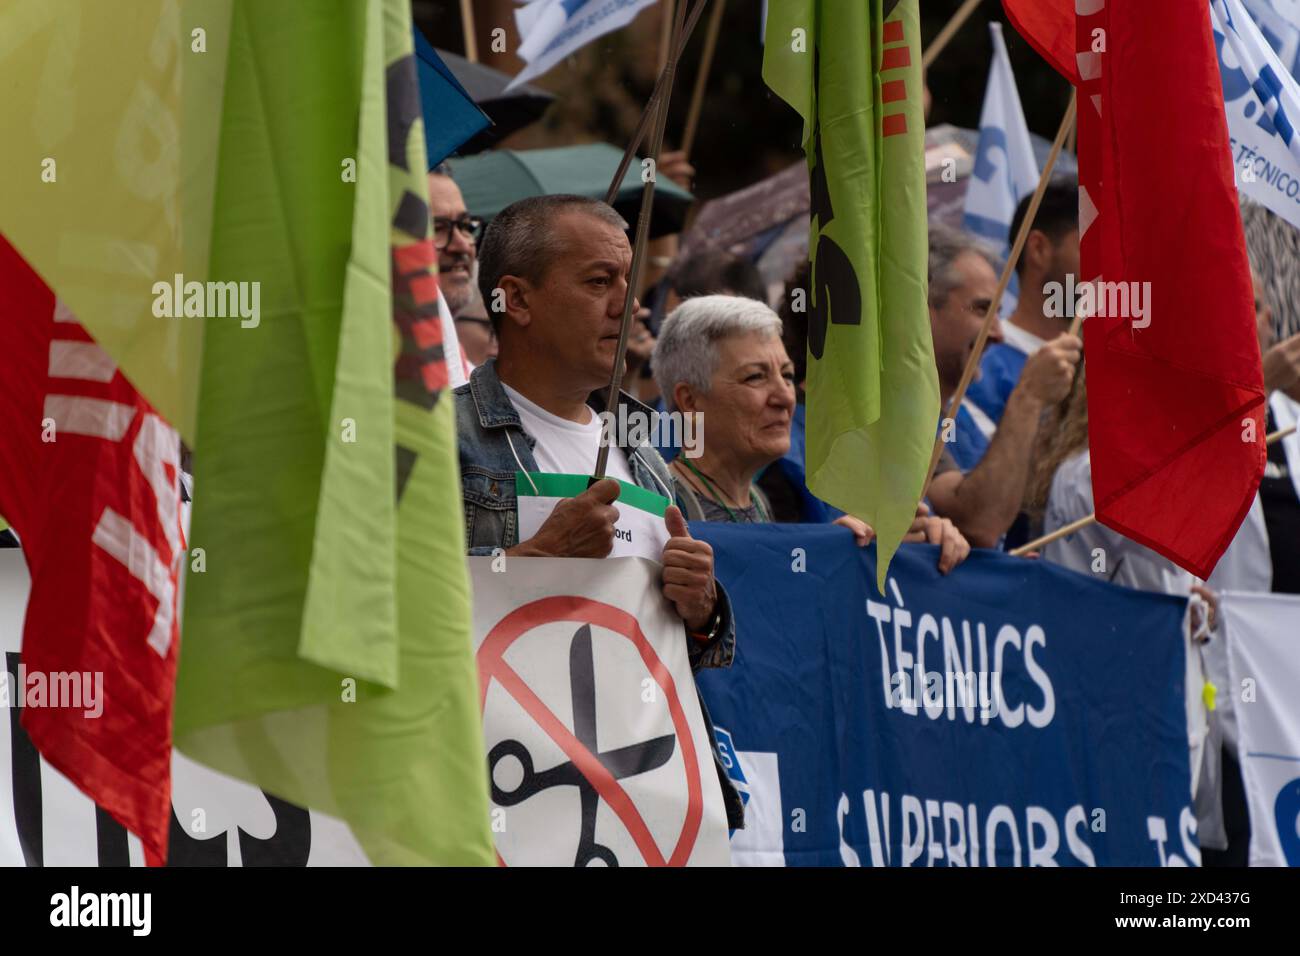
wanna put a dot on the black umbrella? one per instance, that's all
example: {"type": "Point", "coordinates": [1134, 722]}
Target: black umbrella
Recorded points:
{"type": "Point", "coordinates": [510, 111]}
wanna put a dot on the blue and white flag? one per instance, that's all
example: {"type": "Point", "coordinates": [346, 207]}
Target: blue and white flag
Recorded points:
{"type": "Point", "coordinates": [1279, 22]}
{"type": "Point", "coordinates": [1262, 100]}
{"type": "Point", "coordinates": [1005, 168]}
{"type": "Point", "coordinates": [550, 30]}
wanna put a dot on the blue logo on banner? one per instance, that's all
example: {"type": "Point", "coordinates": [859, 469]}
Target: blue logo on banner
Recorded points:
{"type": "Point", "coordinates": [1286, 811]}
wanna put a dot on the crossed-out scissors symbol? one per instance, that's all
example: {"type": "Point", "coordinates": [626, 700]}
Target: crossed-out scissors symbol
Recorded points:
{"type": "Point", "coordinates": [622, 762]}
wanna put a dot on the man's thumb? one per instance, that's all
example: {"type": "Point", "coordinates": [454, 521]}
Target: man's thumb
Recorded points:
{"type": "Point", "coordinates": [676, 523]}
{"type": "Point", "coordinates": [605, 491]}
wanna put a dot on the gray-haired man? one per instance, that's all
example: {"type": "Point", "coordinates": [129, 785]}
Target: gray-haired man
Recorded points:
{"type": "Point", "coordinates": [983, 495]}
{"type": "Point", "coordinates": [554, 272]}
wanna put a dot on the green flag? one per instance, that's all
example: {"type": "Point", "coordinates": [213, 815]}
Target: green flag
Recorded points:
{"type": "Point", "coordinates": [326, 653]}
{"type": "Point", "coordinates": [853, 72]}
{"type": "Point", "coordinates": [107, 169]}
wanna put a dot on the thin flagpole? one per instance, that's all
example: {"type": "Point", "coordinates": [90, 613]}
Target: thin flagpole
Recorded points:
{"type": "Point", "coordinates": [666, 23]}
{"type": "Point", "coordinates": [1074, 526]}
{"type": "Point", "coordinates": [650, 111]}
{"type": "Point", "coordinates": [642, 230]}
{"type": "Point", "coordinates": [968, 373]}
{"type": "Point", "coordinates": [949, 30]}
{"type": "Point", "coordinates": [702, 77]}
{"type": "Point", "coordinates": [467, 26]}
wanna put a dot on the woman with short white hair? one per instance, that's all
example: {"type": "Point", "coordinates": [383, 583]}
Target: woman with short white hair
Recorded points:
{"type": "Point", "coordinates": [721, 357]}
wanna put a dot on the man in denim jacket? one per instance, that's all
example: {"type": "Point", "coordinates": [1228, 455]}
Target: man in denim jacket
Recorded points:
{"type": "Point", "coordinates": [553, 271]}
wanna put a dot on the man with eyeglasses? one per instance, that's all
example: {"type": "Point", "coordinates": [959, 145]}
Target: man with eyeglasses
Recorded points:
{"type": "Point", "coordinates": [455, 236]}
{"type": "Point", "coordinates": [980, 483]}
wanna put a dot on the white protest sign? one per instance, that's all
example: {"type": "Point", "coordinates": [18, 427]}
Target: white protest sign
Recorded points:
{"type": "Point", "coordinates": [597, 752]}
{"type": "Point", "coordinates": [1263, 637]}
{"type": "Point", "coordinates": [639, 533]}
{"type": "Point", "coordinates": [217, 820]}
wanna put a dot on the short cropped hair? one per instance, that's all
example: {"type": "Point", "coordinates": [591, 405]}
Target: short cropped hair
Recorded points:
{"type": "Point", "coordinates": [947, 245]}
{"type": "Point", "coordinates": [1057, 215]}
{"type": "Point", "coordinates": [687, 348]}
{"type": "Point", "coordinates": [521, 240]}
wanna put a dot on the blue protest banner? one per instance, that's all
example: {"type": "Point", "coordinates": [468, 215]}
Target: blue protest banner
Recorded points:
{"type": "Point", "coordinates": [1012, 713]}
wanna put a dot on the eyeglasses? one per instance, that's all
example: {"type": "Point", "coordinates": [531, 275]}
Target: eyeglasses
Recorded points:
{"type": "Point", "coordinates": [470, 226]}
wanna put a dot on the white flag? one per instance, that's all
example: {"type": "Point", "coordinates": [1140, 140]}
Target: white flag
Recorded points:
{"type": "Point", "coordinates": [550, 30]}
{"type": "Point", "coordinates": [1281, 31]}
{"type": "Point", "coordinates": [1263, 638]}
{"type": "Point", "coordinates": [1262, 101]}
{"type": "Point", "coordinates": [1005, 169]}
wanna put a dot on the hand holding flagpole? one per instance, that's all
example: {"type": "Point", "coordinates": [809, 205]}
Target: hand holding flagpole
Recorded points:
{"type": "Point", "coordinates": [968, 373]}
{"type": "Point", "coordinates": [1073, 526]}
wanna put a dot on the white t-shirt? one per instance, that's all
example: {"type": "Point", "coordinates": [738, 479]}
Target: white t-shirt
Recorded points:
{"type": "Point", "coordinates": [564, 447]}
{"type": "Point", "coordinates": [1021, 339]}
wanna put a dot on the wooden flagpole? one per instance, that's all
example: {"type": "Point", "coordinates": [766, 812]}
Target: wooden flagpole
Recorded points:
{"type": "Point", "coordinates": [643, 225]}
{"type": "Point", "coordinates": [1074, 526]}
{"type": "Point", "coordinates": [702, 77]}
{"type": "Point", "coordinates": [650, 111]}
{"type": "Point", "coordinates": [666, 24]}
{"type": "Point", "coordinates": [467, 26]}
{"type": "Point", "coordinates": [968, 373]}
{"type": "Point", "coordinates": [949, 30]}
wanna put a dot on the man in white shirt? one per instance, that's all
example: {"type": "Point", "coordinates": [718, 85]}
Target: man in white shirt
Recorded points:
{"type": "Point", "coordinates": [554, 272]}
{"type": "Point", "coordinates": [1050, 257]}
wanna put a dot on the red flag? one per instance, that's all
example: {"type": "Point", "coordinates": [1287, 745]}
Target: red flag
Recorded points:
{"type": "Point", "coordinates": [89, 480]}
{"type": "Point", "coordinates": [1175, 395]}
{"type": "Point", "coordinates": [1048, 25]}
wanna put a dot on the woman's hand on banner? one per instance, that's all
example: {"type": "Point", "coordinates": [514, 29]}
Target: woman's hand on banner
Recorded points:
{"type": "Point", "coordinates": [927, 529]}
{"type": "Point", "coordinates": [863, 533]}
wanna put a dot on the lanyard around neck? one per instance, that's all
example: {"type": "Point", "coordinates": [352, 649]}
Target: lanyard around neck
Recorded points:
{"type": "Point", "coordinates": [717, 498]}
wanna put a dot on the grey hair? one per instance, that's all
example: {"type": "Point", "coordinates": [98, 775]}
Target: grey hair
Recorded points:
{"type": "Point", "coordinates": [443, 169]}
{"type": "Point", "coordinates": [522, 242]}
{"type": "Point", "coordinates": [687, 348]}
{"type": "Point", "coordinates": [947, 245]}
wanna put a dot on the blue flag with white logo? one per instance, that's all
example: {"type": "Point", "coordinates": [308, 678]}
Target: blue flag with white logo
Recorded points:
{"type": "Point", "coordinates": [1262, 102]}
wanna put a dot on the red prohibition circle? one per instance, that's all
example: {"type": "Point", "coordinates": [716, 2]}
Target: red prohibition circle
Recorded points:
{"type": "Point", "coordinates": [581, 610]}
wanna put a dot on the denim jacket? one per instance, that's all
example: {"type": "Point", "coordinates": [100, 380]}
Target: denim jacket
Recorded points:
{"type": "Point", "coordinates": [493, 446]}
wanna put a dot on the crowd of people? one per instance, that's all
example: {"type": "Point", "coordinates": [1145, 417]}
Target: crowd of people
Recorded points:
{"type": "Point", "coordinates": [707, 342]}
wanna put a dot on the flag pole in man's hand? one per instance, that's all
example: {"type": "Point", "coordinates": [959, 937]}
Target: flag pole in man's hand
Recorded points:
{"type": "Point", "coordinates": [643, 226]}
{"type": "Point", "coordinates": [1083, 522]}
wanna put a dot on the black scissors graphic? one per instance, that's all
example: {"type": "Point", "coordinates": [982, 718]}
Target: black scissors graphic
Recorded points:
{"type": "Point", "coordinates": [623, 762]}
